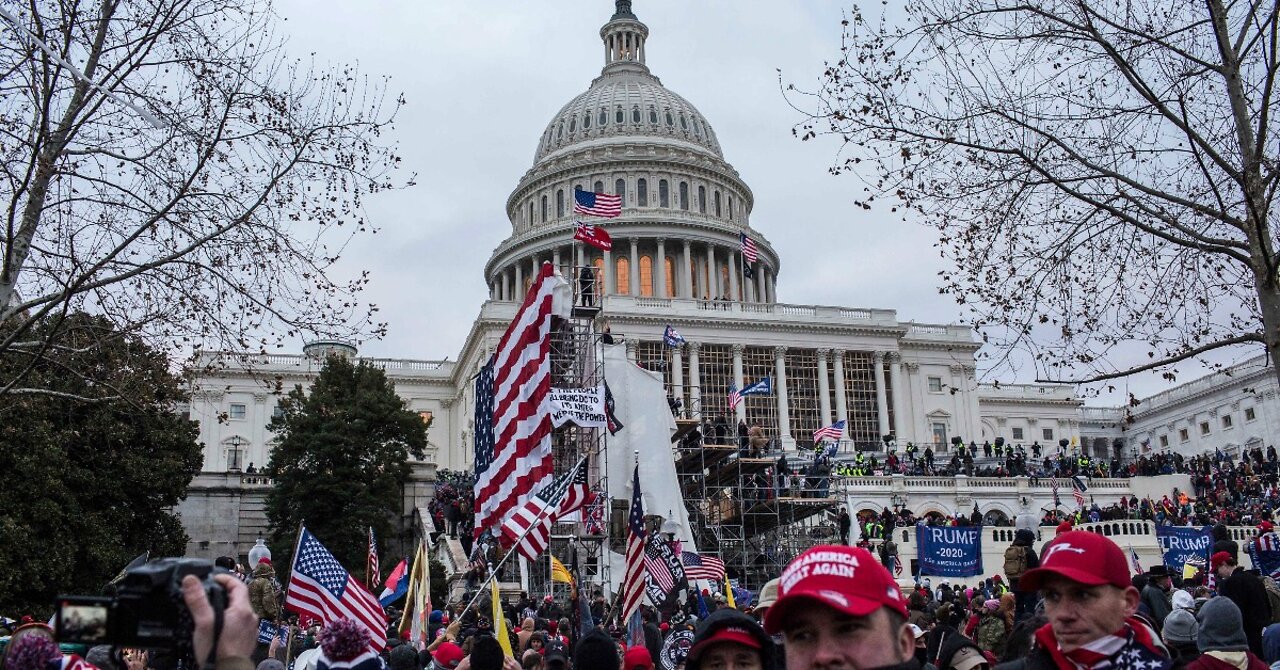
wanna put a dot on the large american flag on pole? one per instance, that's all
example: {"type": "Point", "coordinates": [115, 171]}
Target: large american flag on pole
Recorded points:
{"type": "Point", "coordinates": [513, 406]}
{"type": "Point", "coordinates": [597, 204]}
{"type": "Point", "coordinates": [701, 566]}
{"type": "Point", "coordinates": [320, 587]}
{"type": "Point", "coordinates": [735, 396]}
{"type": "Point", "coordinates": [832, 432]}
{"type": "Point", "coordinates": [372, 568]}
{"type": "Point", "coordinates": [750, 252]}
{"type": "Point", "coordinates": [1078, 488]}
{"type": "Point", "coordinates": [529, 527]}
{"type": "Point", "coordinates": [633, 577]}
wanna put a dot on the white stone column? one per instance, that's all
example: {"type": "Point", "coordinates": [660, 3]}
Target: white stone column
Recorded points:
{"type": "Point", "coordinates": [610, 287]}
{"type": "Point", "coordinates": [741, 411]}
{"type": "Point", "coordinates": [507, 282]}
{"type": "Point", "coordinates": [780, 388]}
{"type": "Point", "coordinates": [761, 296]}
{"type": "Point", "coordinates": [734, 293]}
{"type": "Point", "coordinates": [635, 266]}
{"type": "Point", "coordinates": [713, 277]}
{"type": "Point", "coordinates": [687, 278]}
{"type": "Point", "coordinates": [842, 408]}
{"type": "Point", "coordinates": [535, 267]}
{"type": "Point", "coordinates": [677, 378]}
{"type": "Point", "coordinates": [633, 354]}
{"type": "Point", "coordinates": [882, 400]}
{"type": "Point", "coordinates": [771, 285]}
{"type": "Point", "coordinates": [824, 389]}
{"type": "Point", "coordinates": [519, 280]}
{"type": "Point", "coordinates": [660, 270]}
{"type": "Point", "coordinates": [580, 254]}
{"type": "Point", "coordinates": [895, 379]}
{"type": "Point", "coordinates": [695, 380]}
{"type": "Point", "coordinates": [555, 260]}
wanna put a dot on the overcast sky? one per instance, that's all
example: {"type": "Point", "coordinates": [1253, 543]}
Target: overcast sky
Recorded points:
{"type": "Point", "coordinates": [482, 79]}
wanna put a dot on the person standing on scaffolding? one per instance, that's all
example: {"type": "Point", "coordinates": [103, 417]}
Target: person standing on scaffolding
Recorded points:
{"type": "Point", "coordinates": [587, 285]}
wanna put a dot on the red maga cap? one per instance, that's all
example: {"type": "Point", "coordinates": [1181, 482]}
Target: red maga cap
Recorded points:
{"type": "Point", "coordinates": [1083, 557]}
{"type": "Point", "coordinates": [847, 579]}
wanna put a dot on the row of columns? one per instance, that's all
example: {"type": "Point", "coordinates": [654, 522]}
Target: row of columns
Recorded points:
{"type": "Point", "coordinates": [879, 358]}
{"type": "Point", "coordinates": [509, 282]}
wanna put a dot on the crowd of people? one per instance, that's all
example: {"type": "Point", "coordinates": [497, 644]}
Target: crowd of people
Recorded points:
{"type": "Point", "coordinates": [1074, 604]}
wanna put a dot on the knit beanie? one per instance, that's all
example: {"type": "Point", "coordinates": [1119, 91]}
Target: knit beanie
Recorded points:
{"type": "Point", "coordinates": [345, 645]}
{"type": "Point", "coordinates": [1181, 627]}
{"type": "Point", "coordinates": [1221, 626]}
{"type": "Point", "coordinates": [596, 651]}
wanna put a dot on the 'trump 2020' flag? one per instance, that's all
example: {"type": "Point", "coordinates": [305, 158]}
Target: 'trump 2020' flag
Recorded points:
{"type": "Point", "coordinates": [320, 587]}
{"type": "Point", "coordinates": [949, 551]}
{"type": "Point", "coordinates": [762, 387]}
{"type": "Point", "coordinates": [1265, 552]}
{"type": "Point", "coordinates": [513, 406]}
{"type": "Point", "coordinates": [596, 204]}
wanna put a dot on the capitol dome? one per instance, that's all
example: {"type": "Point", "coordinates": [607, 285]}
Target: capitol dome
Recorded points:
{"type": "Point", "coordinates": [685, 215]}
{"type": "Point", "coordinates": [627, 102]}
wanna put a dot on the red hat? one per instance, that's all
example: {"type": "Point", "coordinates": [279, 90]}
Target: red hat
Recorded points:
{"type": "Point", "coordinates": [264, 559]}
{"type": "Point", "coordinates": [1083, 557]}
{"type": "Point", "coordinates": [1265, 527]}
{"type": "Point", "coordinates": [736, 634]}
{"type": "Point", "coordinates": [637, 658]}
{"type": "Point", "coordinates": [664, 626]}
{"type": "Point", "coordinates": [448, 655]}
{"type": "Point", "coordinates": [1064, 527]}
{"type": "Point", "coordinates": [847, 579]}
{"type": "Point", "coordinates": [1219, 558]}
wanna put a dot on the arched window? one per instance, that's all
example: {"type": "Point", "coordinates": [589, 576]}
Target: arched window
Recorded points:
{"type": "Point", "coordinates": [684, 195]}
{"type": "Point", "coordinates": [670, 121]}
{"type": "Point", "coordinates": [618, 116]}
{"type": "Point", "coordinates": [646, 276]}
{"type": "Point", "coordinates": [620, 190]}
{"type": "Point", "coordinates": [598, 264]}
{"type": "Point", "coordinates": [653, 115]}
{"type": "Point", "coordinates": [696, 279]}
{"type": "Point", "coordinates": [635, 114]}
{"type": "Point", "coordinates": [684, 125]}
{"type": "Point", "coordinates": [530, 219]}
{"type": "Point", "coordinates": [559, 203]}
{"type": "Point", "coordinates": [671, 277]}
{"type": "Point", "coordinates": [716, 201]}
{"type": "Point", "coordinates": [599, 187]}
{"type": "Point", "coordinates": [604, 116]}
{"type": "Point", "coordinates": [702, 199]}
{"type": "Point", "coordinates": [544, 209]}
{"type": "Point", "coordinates": [560, 130]}
{"type": "Point", "coordinates": [586, 120]}
{"type": "Point", "coordinates": [724, 282]}
{"type": "Point", "coordinates": [730, 207]}
{"type": "Point", "coordinates": [664, 194]}
{"type": "Point", "coordinates": [573, 124]}
{"type": "Point", "coordinates": [642, 192]}
{"type": "Point", "coordinates": [623, 266]}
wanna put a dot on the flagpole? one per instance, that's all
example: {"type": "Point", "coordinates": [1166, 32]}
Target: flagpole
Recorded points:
{"type": "Point", "coordinates": [542, 513]}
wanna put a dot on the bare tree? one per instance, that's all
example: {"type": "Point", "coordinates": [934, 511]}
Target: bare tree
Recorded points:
{"type": "Point", "coordinates": [1102, 173]}
{"type": "Point", "coordinates": [166, 165]}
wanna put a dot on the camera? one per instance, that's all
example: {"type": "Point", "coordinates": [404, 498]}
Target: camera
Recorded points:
{"type": "Point", "coordinates": [147, 610]}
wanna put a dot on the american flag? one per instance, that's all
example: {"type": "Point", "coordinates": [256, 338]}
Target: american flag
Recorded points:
{"type": "Point", "coordinates": [633, 576]}
{"type": "Point", "coordinates": [372, 568]}
{"type": "Point", "coordinates": [897, 566]}
{"type": "Point", "coordinates": [513, 407]}
{"type": "Point", "coordinates": [1133, 558]}
{"type": "Point", "coordinates": [597, 204]}
{"type": "Point", "coordinates": [735, 396]}
{"type": "Point", "coordinates": [320, 587]}
{"type": "Point", "coordinates": [701, 566]}
{"type": "Point", "coordinates": [750, 252]}
{"type": "Point", "coordinates": [657, 568]}
{"type": "Point", "coordinates": [1053, 484]}
{"type": "Point", "coordinates": [1077, 490]}
{"type": "Point", "coordinates": [529, 527]}
{"type": "Point", "coordinates": [832, 432]}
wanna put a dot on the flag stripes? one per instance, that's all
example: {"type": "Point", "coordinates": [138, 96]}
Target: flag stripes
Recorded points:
{"type": "Point", "coordinates": [320, 587]}
{"type": "Point", "coordinates": [701, 566]}
{"type": "Point", "coordinates": [633, 576]}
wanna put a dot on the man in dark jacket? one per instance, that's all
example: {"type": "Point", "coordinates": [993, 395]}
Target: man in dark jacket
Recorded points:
{"type": "Point", "coordinates": [1247, 591]}
{"type": "Point", "coordinates": [1026, 600]}
{"type": "Point", "coordinates": [1155, 595]}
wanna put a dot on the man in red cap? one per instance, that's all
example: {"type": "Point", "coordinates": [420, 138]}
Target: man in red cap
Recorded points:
{"type": "Point", "coordinates": [838, 607]}
{"type": "Point", "coordinates": [1090, 602]}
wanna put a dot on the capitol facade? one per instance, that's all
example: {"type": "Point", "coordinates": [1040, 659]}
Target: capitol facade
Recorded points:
{"type": "Point", "coordinates": [677, 261]}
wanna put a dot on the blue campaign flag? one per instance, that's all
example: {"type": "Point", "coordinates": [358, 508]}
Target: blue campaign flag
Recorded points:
{"type": "Point", "coordinates": [762, 387]}
{"type": "Point", "coordinates": [949, 551]}
{"type": "Point", "coordinates": [1265, 552]}
{"type": "Point", "coordinates": [702, 607]}
{"type": "Point", "coordinates": [1181, 543]}
{"type": "Point", "coordinates": [266, 631]}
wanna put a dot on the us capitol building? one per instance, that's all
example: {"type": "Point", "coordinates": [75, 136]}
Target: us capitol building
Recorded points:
{"type": "Point", "coordinates": [676, 259]}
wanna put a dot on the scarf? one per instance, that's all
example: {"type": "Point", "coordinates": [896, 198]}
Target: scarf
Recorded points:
{"type": "Point", "coordinates": [1133, 646]}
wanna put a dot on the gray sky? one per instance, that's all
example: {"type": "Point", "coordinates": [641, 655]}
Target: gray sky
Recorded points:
{"type": "Point", "coordinates": [482, 79]}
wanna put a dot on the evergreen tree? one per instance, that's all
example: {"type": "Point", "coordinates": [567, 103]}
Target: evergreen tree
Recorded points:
{"type": "Point", "coordinates": [341, 461]}
{"type": "Point", "coordinates": [86, 486]}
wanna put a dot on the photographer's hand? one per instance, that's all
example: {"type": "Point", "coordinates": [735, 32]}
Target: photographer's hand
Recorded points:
{"type": "Point", "coordinates": [239, 624]}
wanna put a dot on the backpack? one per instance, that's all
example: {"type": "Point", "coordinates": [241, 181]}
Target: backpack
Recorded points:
{"type": "Point", "coordinates": [1273, 597]}
{"type": "Point", "coordinates": [1015, 561]}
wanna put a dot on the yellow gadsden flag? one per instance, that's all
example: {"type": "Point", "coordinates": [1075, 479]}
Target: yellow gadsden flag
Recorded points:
{"type": "Point", "coordinates": [500, 622]}
{"type": "Point", "coordinates": [728, 589]}
{"type": "Point", "coordinates": [559, 573]}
